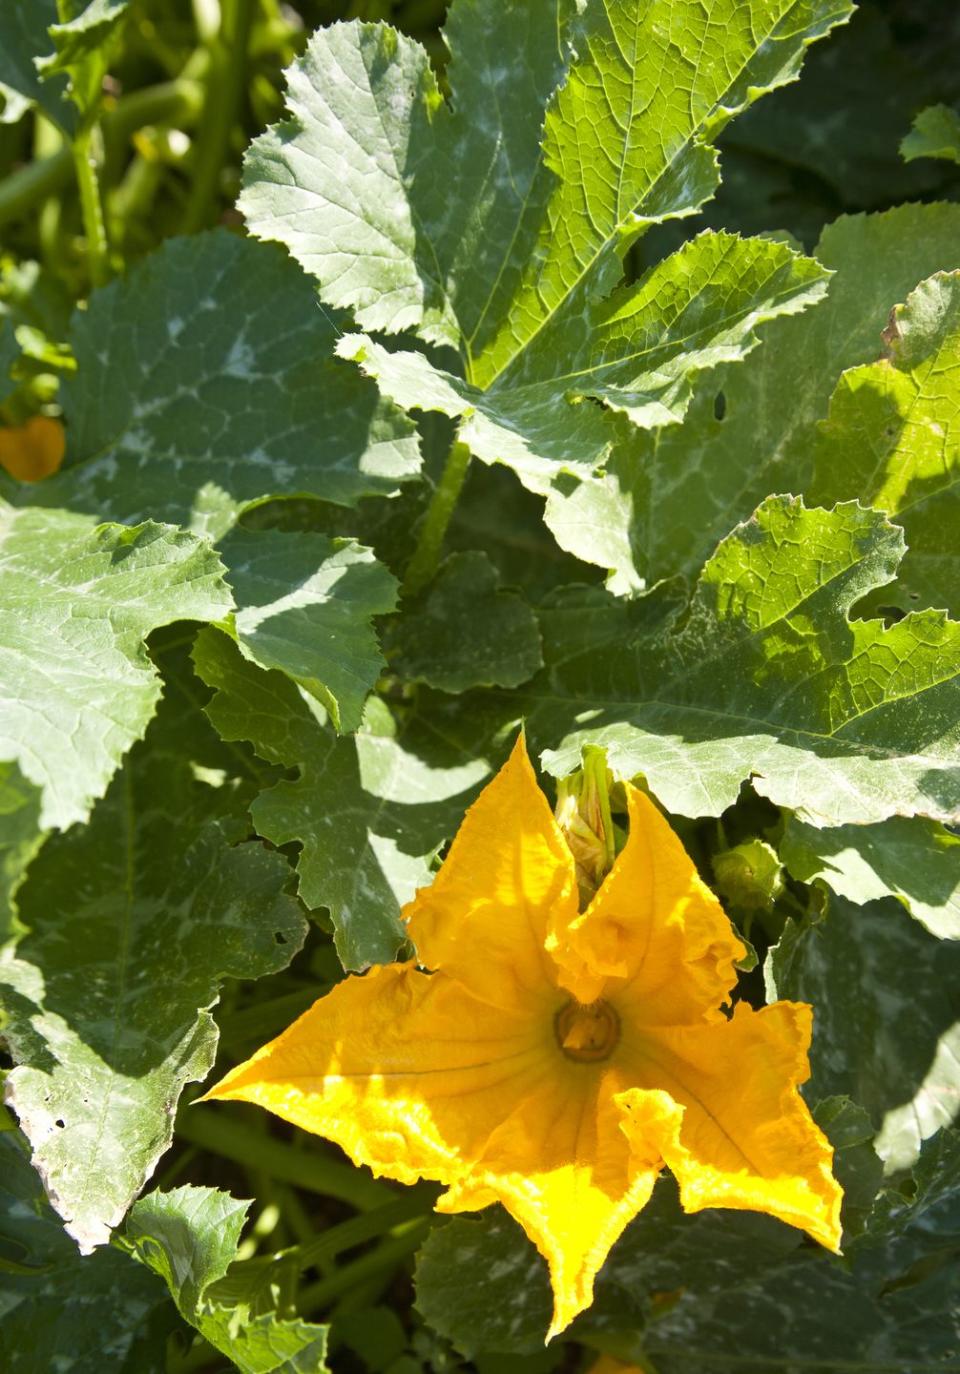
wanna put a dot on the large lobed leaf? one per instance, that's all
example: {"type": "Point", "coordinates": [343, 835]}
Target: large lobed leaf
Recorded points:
{"type": "Point", "coordinates": [206, 380]}
{"type": "Point", "coordinates": [132, 922]}
{"type": "Point", "coordinates": [764, 675]}
{"type": "Point", "coordinates": [76, 605]}
{"type": "Point", "coordinates": [668, 497]}
{"type": "Point", "coordinates": [456, 219]}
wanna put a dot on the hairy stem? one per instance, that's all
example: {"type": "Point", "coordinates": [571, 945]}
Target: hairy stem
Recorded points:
{"type": "Point", "coordinates": [91, 206]}
{"type": "Point", "coordinates": [225, 83]}
{"type": "Point", "coordinates": [426, 556]}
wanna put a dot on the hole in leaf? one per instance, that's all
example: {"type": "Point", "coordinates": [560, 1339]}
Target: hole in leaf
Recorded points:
{"type": "Point", "coordinates": [719, 406]}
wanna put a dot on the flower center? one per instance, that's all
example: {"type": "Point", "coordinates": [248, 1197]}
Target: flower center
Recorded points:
{"type": "Point", "coordinates": [587, 1033]}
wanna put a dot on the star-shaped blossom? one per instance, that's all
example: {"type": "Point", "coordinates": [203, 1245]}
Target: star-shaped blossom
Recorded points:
{"type": "Point", "coordinates": [555, 1060]}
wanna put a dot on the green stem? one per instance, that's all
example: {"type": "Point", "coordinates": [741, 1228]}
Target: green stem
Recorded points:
{"type": "Point", "coordinates": [225, 84]}
{"type": "Point", "coordinates": [91, 206]}
{"type": "Point", "coordinates": [171, 102]}
{"type": "Point", "coordinates": [426, 556]}
{"type": "Point", "coordinates": [224, 1135]}
{"type": "Point", "coordinates": [385, 1256]}
{"type": "Point", "coordinates": [406, 1206]}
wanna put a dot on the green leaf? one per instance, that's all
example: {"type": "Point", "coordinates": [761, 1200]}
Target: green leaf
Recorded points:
{"type": "Point", "coordinates": [889, 1042]}
{"type": "Point", "coordinates": [667, 498]}
{"type": "Point", "coordinates": [84, 34]}
{"type": "Point", "coordinates": [935, 133]}
{"type": "Point", "coordinates": [189, 1237]}
{"type": "Point", "coordinates": [482, 1284]}
{"type": "Point", "coordinates": [205, 380]}
{"type": "Point", "coordinates": [78, 685]}
{"type": "Point", "coordinates": [762, 674]}
{"type": "Point", "coordinates": [133, 921]}
{"type": "Point", "coordinates": [20, 839]}
{"type": "Point", "coordinates": [369, 811]}
{"type": "Point", "coordinates": [893, 435]}
{"type": "Point", "coordinates": [448, 218]}
{"type": "Point", "coordinates": [305, 605]}
{"type": "Point", "coordinates": [915, 860]}
{"type": "Point", "coordinates": [645, 346]}
{"type": "Point", "coordinates": [24, 37]}
{"type": "Point", "coordinates": [466, 632]}
{"type": "Point", "coordinates": [58, 1311]}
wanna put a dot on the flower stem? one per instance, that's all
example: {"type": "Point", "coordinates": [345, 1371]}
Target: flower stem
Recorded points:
{"type": "Point", "coordinates": [91, 206]}
{"type": "Point", "coordinates": [426, 556]}
{"type": "Point", "coordinates": [227, 41]}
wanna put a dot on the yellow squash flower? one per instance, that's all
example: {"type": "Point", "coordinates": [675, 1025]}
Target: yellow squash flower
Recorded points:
{"type": "Point", "coordinates": [555, 1060]}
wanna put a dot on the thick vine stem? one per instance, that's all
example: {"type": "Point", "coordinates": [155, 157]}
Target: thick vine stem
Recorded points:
{"type": "Point", "coordinates": [426, 556]}
{"type": "Point", "coordinates": [91, 206]}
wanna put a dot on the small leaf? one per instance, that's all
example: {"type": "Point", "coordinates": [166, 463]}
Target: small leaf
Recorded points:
{"type": "Point", "coordinates": [132, 924]}
{"type": "Point", "coordinates": [466, 632]}
{"type": "Point", "coordinates": [935, 133]}
{"type": "Point", "coordinates": [369, 811]}
{"type": "Point", "coordinates": [78, 685]}
{"type": "Point", "coordinates": [189, 1237]}
{"type": "Point", "coordinates": [305, 605]}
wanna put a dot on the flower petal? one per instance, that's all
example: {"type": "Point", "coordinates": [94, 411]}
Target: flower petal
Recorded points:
{"type": "Point", "coordinates": [484, 919]}
{"type": "Point", "coordinates": [655, 928]}
{"type": "Point", "coordinates": [746, 1138]}
{"type": "Point", "coordinates": [563, 1167]}
{"type": "Point", "coordinates": [405, 1071]}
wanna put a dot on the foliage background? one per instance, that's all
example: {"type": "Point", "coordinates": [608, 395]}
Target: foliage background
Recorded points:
{"type": "Point", "coordinates": [206, 817]}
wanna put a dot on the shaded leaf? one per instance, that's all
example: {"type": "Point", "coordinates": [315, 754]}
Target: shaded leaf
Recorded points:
{"type": "Point", "coordinates": [875, 1038]}
{"type": "Point", "coordinates": [305, 605]}
{"type": "Point", "coordinates": [20, 839]}
{"type": "Point", "coordinates": [914, 860]}
{"type": "Point", "coordinates": [935, 133]}
{"type": "Point", "coordinates": [59, 1311]}
{"type": "Point", "coordinates": [762, 675]}
{"type": "Point", "coordinates": [466, 632]}
{"type": "Point", "coordinates": [369, 812]}
{"type": "Point", "coordinates": [133, 921]}
{"type": "Point", "coordinates": [205, 380]}
{"type": "Point", "coordinates": [189, 1237]}
{"type": "Point", "coordinates": [78, 685]}
{"type": "Point", "coordinates": [24, 37]}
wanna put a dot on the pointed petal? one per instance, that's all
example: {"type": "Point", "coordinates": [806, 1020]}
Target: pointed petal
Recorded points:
{"type": "Point", "coordinates": [746, 1138]}
{"type": "Point", "coordinates": [565, 1170]}
{"type": "Point", "coordinates": [405, 1071]}
{"type": "Point", "coordinates": [485, 917]}
{"type": "Point", "coordinates": [655, 928]}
